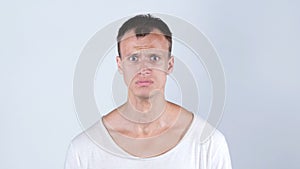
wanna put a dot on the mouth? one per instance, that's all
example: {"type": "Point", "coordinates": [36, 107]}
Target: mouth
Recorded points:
{"type": "Point", "coordinates": [144, 83]}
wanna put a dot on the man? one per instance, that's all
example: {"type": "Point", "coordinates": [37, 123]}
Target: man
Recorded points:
{"type": "Point", "coordinates": [147, 131]}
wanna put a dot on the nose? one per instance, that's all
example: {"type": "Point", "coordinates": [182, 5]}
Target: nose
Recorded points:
{"type": "Point", "coordinates": [145, 70]}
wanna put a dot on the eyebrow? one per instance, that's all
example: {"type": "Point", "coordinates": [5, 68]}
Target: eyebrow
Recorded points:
{"type": "Point", "coordinates": [132, 54]}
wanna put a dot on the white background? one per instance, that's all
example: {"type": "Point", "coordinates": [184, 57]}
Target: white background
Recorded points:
{"type": "Point", "coordinates": [257, 41]}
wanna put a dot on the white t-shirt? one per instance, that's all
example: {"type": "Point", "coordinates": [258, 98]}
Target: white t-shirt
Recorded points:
{"type": "Point", "coordinates": [189, 153]}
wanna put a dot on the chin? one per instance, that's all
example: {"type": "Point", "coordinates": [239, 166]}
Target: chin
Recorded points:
{"type": "Point", "coordinates": [143, 97]}
{"type": "Point", "coordinates": [147, 93]}
{"type": "Point", "coordinates": [143, 94]}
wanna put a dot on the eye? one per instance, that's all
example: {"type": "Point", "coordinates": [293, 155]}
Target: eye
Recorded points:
{"type": "Point", "coordinates": [133, 58]}
{"type": "Point", "coordinates": [154, 58]}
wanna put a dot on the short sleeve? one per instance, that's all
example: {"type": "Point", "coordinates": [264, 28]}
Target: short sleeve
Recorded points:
{"type": "Point", "coordinates": [72, 159]}
{"type": "Point", "coordinates": [221, 158]}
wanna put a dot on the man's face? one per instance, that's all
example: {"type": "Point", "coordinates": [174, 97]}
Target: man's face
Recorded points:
{"type": "Point", "coordinates": [145, 63]}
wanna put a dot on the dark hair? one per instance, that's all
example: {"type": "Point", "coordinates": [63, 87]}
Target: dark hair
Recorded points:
{"type": "Point", "coordinates": [143, 25]}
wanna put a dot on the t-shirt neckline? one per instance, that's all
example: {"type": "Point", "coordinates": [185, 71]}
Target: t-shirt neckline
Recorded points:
{"type": "Point", "coordinates": [114, 145]}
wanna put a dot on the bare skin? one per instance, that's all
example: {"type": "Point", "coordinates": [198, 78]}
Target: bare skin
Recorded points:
{"type": "Point", "coordinates": [147, 125]}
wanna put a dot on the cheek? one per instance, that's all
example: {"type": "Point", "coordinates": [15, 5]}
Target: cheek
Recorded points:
{"type": "Point", "coordinates": [163, 67]}
{"type": "Point", "coordinates": [161, 77]}
{"type": "Point", "coordinates": [129, 75]}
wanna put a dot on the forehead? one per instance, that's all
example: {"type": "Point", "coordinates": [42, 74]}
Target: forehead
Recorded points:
{"type": "Point", "coordinates": [154, 40]}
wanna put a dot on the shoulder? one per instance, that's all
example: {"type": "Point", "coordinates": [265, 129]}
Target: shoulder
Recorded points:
{"type": "Point", "coordinates": [81, 138]}
{"type": "Point", "coordinates": [212, 143]}
{"type": "Point", "coordinates": [205, 131]}
{"type": "Point", "coordinates": [207, 136]}
{"type": "Point", "coordinates": [80, 149]}
{"type": "Point", "coordinates": [85, 140]}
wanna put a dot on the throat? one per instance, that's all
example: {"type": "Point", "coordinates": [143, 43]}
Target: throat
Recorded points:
{"type": "Point", "coordinates": [143, 112]}
{"type": "Point", "coordinates": [149, 130]}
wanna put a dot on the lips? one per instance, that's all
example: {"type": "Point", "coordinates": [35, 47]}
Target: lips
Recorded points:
{"type": "Point", "coordinates": [144, 83]}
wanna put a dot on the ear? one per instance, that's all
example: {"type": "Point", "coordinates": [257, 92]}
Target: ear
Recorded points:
{"type": "Point", "coordinates": [119, 64]}
{"type": "Point", "coordinates": [170, 65]}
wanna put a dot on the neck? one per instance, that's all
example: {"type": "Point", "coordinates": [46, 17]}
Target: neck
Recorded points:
{"type": "Point", "coordinates": [144, 110]}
